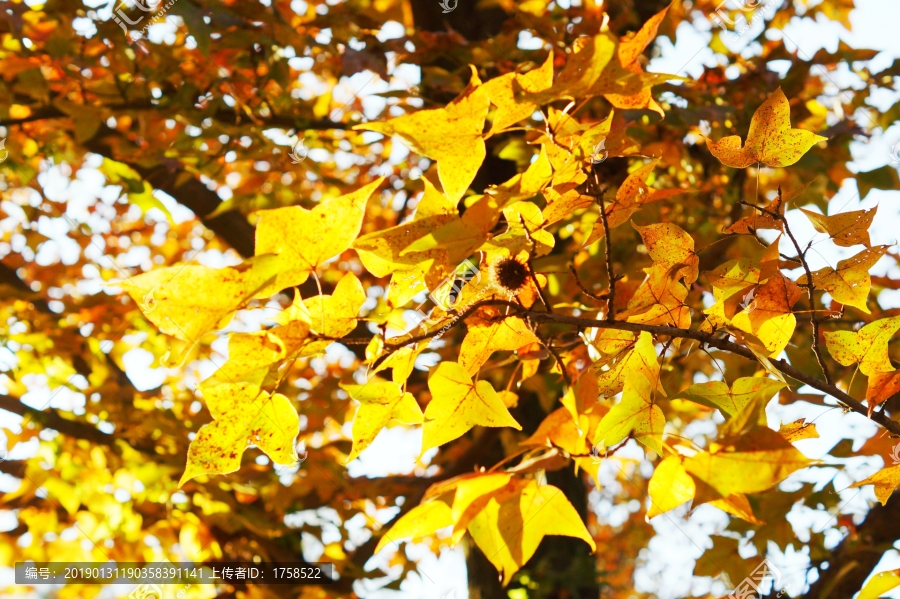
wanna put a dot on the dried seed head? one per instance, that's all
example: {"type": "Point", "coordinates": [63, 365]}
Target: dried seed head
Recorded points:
{"type": "Point", "coordinates": [511, 274]}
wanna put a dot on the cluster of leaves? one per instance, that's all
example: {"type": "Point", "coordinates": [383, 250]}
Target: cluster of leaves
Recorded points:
{"type": "Point", "coordinates": [622, 303]}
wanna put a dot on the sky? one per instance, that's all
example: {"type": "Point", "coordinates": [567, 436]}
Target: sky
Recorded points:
{"type": "Point", "coordinates": [681, 537]}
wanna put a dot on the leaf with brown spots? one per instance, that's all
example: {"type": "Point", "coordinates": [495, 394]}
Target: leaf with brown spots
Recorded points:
{"type": "Point", "coordinates": [771, 140]}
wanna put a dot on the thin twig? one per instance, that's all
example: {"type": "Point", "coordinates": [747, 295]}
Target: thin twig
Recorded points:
{"type": "Point", "coordinates": [537, 283]}
{"type": "Point", "coordinates": [600, 298]}
{"type": "Point", "coordinates": [810, 288]}
{"type": "Point", "coordinates": [611, 302]}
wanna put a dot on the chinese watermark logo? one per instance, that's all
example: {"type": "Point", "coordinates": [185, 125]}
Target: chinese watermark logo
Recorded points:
{"type": "Point", "coordinates": [600, 154]}
{"type": "Point", "coordinates": [748, 302]}
{"type": "Point", "coordinates": [146, 591]}
{"type": "Point", "coordinates": [447, 293]}
{"type": "Point", "coordinates": [299, 152]}
{"type": "Point", "coordinates": [895, 153]}
{"type": "Point", "coordinates": [445, 4]}
{"type": "Point", "coordinates": [749, 587]}
{"type": "Point", "coordinates": [720, 17]}
{"type": "Point", "coordinates": [4, 153]}
{"type": "Point", "coordinates": [595, 455]}
{"type": "Point", "coordinates": [145, 6]}
{"type": "Point", "coordinates": [895, 454]}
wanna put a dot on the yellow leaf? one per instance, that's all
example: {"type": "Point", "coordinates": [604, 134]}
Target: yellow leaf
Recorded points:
{"type": "Point", "coordinates": [458, 404]}
{"type": "Point", "coordinates": [760, 220]}
{"type": "Point", "coordinates": [269, 422]}
{"type": "Point", "coordinates": [304, 239]}
{"type": "Point", "coordinates": [423, 520]}
{"type": "Point", "coordinates": [452, 502]}
{"type": "Point", "coordinates": [250, 358]}
{"type": "Point", "coordinates": [509, 529]}
{"type": "Point", "coordinates": [845, 229]}
{"type": "Point", "coordinates": [188, 301]}
{"type": "Point", "coordinates": [882, 385]}
{"type": "Point", "coordinates": [752, 463]}
{"type": "Point", "coordinates": [880, 584]}
{"type": "Point", "coordinates": [641, 358]}
{"type": "Point", "coordinates": [770, 141]}
{"type": "Point", "coordinates": [850, 283]}
{"type": "Point", "coordinates": [737, 505]}
{"type": "Point", "coordinates": [672, 247]}
{"type": "Point", "coordinates": [716, 394]}
{"type": "Point", "coordinates": [380, 402]}
{"type": "Point", "coordinates": [494, 333]}
{"type": "Point", "coordinates": [769, 316]}
{"type": "Point", "coordinates": [798, 430]}
{"type": "Point", "coordinates": [636, 414]}
{"type": "Point", "coordinates": [582, 70]}
{"type": "Point", "coordinates": [502, 90]}
{"type": "Point", "coordinates": [659, 299]}
{"type": "Point", "coordinates": [669, 487]}
{"type": "Point", "coordinates": [335, 315]}
{"type": "Point", "coordinates": [559, 429]}
{"type": "Point", "coordinates": [451, 135]}
{"type": "Point", "coordinates": [885, 481]}
{"type": "Point", "coordinates": [867, 347]}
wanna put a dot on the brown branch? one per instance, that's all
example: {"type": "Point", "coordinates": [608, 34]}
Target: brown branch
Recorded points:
{"type": "Point", "coordinates": [722, 344]}
{"type": "Point", "coordinates": [810, 288]}
{"type": "Point", "coordinates": [537, 283]}
{"type": "Point", "coordinates": [585, 290]}
{"type": "Point", "coordinates": [607, 250]}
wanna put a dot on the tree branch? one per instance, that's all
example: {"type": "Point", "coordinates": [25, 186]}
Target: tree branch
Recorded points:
{"type": "Point", "coordinates": [810, 288]}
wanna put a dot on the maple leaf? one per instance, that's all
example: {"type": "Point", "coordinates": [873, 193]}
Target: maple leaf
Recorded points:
{"type": "Point", "coordinates": [636, 413]}
{"type": "Point", "coordinates": [583, 68]}
{"type": "Point", "coordinates": [669, 487]}
{"type": "Point", "coordinates": [671, 247]}
{"type": "Point", "coordinates": [502, 93]}
{"type": "Point", "coordinates": [849, 283]}
{"type": "Point", "coordinates": [457, 404]}
{"type": "Point", "coordinates": [444, 504]}
{"type": "Point", "coordinates": [304, 239]}
{"type": "Point", "coordinates": [867, 347]}
{"type": "Point", "coordinates": [882, 386]}
{"type": "Point", "coordinates": [451, 135]}
{"type": "Point", "coordinates": [798, 430]}
{"type": "Point", "coordinates": [511, 526]}
{"type": "Point", "coordinates": [494, 333]}
{"type": "Point", "coordinates": [770, 141]}
{"type": "Point", "coordinates": [191, 300]}
{"type": "Point", "coordinates": [717, 394]}
{"type": "Point", "coordinates": [769, 316]}
{"type": "Point", "coordinates": [885, 481]}
{"type": "Point", "coordinates": [845, 229]}
{"type": "Point", "coordinates": [243, 415]}
{"type": "Point", "coordinates": [752, 463]}
{"type": "Point", "coordinates": [380, 402]}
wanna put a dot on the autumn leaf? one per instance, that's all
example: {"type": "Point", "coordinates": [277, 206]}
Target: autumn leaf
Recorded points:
{"type": "Point", "coordinates": [636, 413]}
{"type": "Point", "coordinates": [637, 356]}
{"type": "Point", "coordinates": [502, 91]}
{"type": "Point", "coordinates": [191, 300]}
{"type": "Point", "coordinates": [509, 529]}
{"type": "Point", "coordinates": [885, 481]}
{"type": "Point", "coordinates": [769, 316]}
{"type": "Point", "coordinates": [487, 335]}
{"type": "Point", "coordinates": [669, 487]}
{"type": "Point", "coordinates": [880, 584]}
{"type": "Point", "coordinates": [380, 402]}
{"type": "Point", "coordinates": [583, 68]}
{"type": "Point", "coordinates": [867, 347]}
{"type": "Point", "coordinates": [717, 394]}
{"type": "Point", "coordinates": [241, 418]}
{"type": "Point", "coordinates": [752, 463]}
{"type": "Point", "coordinates": [451, 135]}
{"type": "Point", "coordinates": [457, 404]}
{"type": "Point", "coordinates": [671, 247]}
{"type": "Point", "coordinates": [304, 239]}
{"type": "Point", "coordinates": [798, 430]}
{"type": "Point", "coordinates": [445, 504]}
{"type": "Point", "coordinates": [882, 386]}
{"type": "Point", "coordinates": [771, 140]}
{"type": "Point", "coordinates": [845, 229]}
{"type": "Point", "coordinates": [849, 284]}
